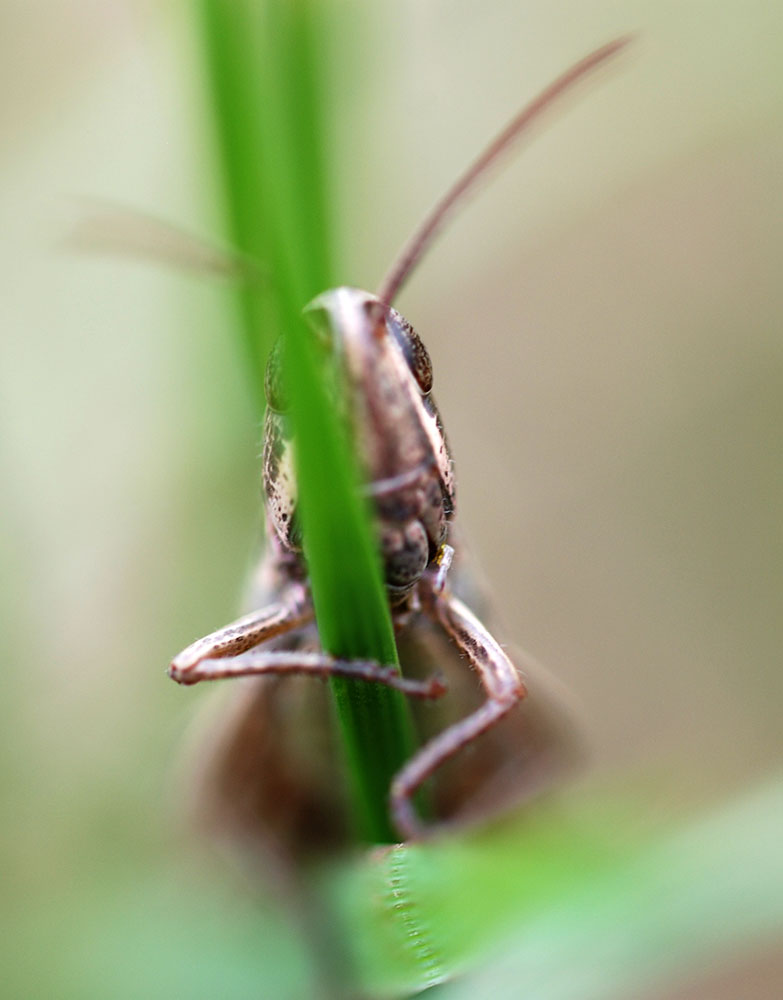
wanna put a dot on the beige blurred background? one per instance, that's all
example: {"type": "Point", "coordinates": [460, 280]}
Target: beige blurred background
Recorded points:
{"type": "Point", "coordinates": [604, 321]}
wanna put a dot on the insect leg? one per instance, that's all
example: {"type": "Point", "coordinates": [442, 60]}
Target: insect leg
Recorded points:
{"type": "Point", "coordinates": [293, 610]}
{"type": "Point", "coordinates": [500, 680]}
{"type": "Point", "coordinates": [231, 652]}
{"type": "Point", "coordinates": [257, 662]}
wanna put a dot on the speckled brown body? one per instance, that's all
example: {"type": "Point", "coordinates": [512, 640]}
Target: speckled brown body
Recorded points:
{"type": "Point", "coordinates": [267, 774]}
{"type": "Point", "coordinates": [271, 776]}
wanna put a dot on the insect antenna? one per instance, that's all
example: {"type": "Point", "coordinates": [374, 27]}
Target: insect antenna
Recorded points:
{"type": "Point", "coordinates": [103, 227]}
{"type": "Point", "coordinates": [421, 239]}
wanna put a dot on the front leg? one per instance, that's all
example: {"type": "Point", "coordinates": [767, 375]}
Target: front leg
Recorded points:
{"type": "Point", "coordinates": [500, 680]}
{"type": "Point", "coordinates": [257, 662]}
{"type": "Point", "coordinates": [232, 652]}
{"type": "Point", "coordinates": [294, 609]}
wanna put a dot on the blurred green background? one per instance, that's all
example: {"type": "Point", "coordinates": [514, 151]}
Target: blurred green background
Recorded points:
{"type": "Point", "coordinates": [604, 321]}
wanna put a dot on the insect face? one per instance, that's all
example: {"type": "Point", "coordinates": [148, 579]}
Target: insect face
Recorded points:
{"type": "Point", "coordinates": [386, 377]}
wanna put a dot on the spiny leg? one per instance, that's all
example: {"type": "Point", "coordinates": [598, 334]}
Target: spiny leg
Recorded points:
{"type": "Point", "coordinates": [293, 610]}
{"type": "Point", "coordinates": [257, 662]}
{"type": "Point", "coordinates": [231, 652]}
{"type": "Point", "coordinates": [500, 680]}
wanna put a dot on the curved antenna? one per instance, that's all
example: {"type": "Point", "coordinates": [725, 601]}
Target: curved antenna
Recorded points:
{"type": "Point", "coordinates": [413, 250]}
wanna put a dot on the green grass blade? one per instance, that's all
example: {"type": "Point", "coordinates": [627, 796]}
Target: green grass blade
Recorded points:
{"type": "Point", "coordinates": [235, 88]}
{"type": "Point", "coordinates": [263, 61]}
{"type": "Point", "coordinates": [557, 911]}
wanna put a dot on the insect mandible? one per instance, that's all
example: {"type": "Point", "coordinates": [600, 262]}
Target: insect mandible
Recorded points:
{"type": "Point", "coordinates": [409, 478]}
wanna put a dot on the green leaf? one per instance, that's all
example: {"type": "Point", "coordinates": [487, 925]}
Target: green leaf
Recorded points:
{"type": "Point", "coordinates": [552, 908]}
{"type": "Point", "coordinates": [264, 61]}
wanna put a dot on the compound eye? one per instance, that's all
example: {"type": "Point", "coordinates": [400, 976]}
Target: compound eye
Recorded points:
{"type": "Point", "coordinates": [413, 349]}
{"type": "Point", "coordinates": [273, 383]}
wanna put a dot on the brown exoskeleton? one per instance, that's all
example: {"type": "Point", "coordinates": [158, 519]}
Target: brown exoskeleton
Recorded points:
{"type": "Point", "coordinates": [270, 770]}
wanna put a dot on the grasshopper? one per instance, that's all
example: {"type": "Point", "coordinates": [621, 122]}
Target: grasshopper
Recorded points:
{"type": "Point", "coordinates": [262, 776]}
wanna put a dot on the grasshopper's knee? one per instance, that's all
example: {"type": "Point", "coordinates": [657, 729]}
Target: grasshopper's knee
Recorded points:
{"type": "Point", "coordinates": [181, 675]}
{"type": "Point", "coordinates": [182, 668]}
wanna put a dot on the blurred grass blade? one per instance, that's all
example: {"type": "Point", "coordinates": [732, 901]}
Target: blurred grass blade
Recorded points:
{"type": "Point", "coordinates": [557, 912]}
{"type": "Point", "coordinates": [264, 60]}
{"type": "Point", "coordinates": [236, 86]}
